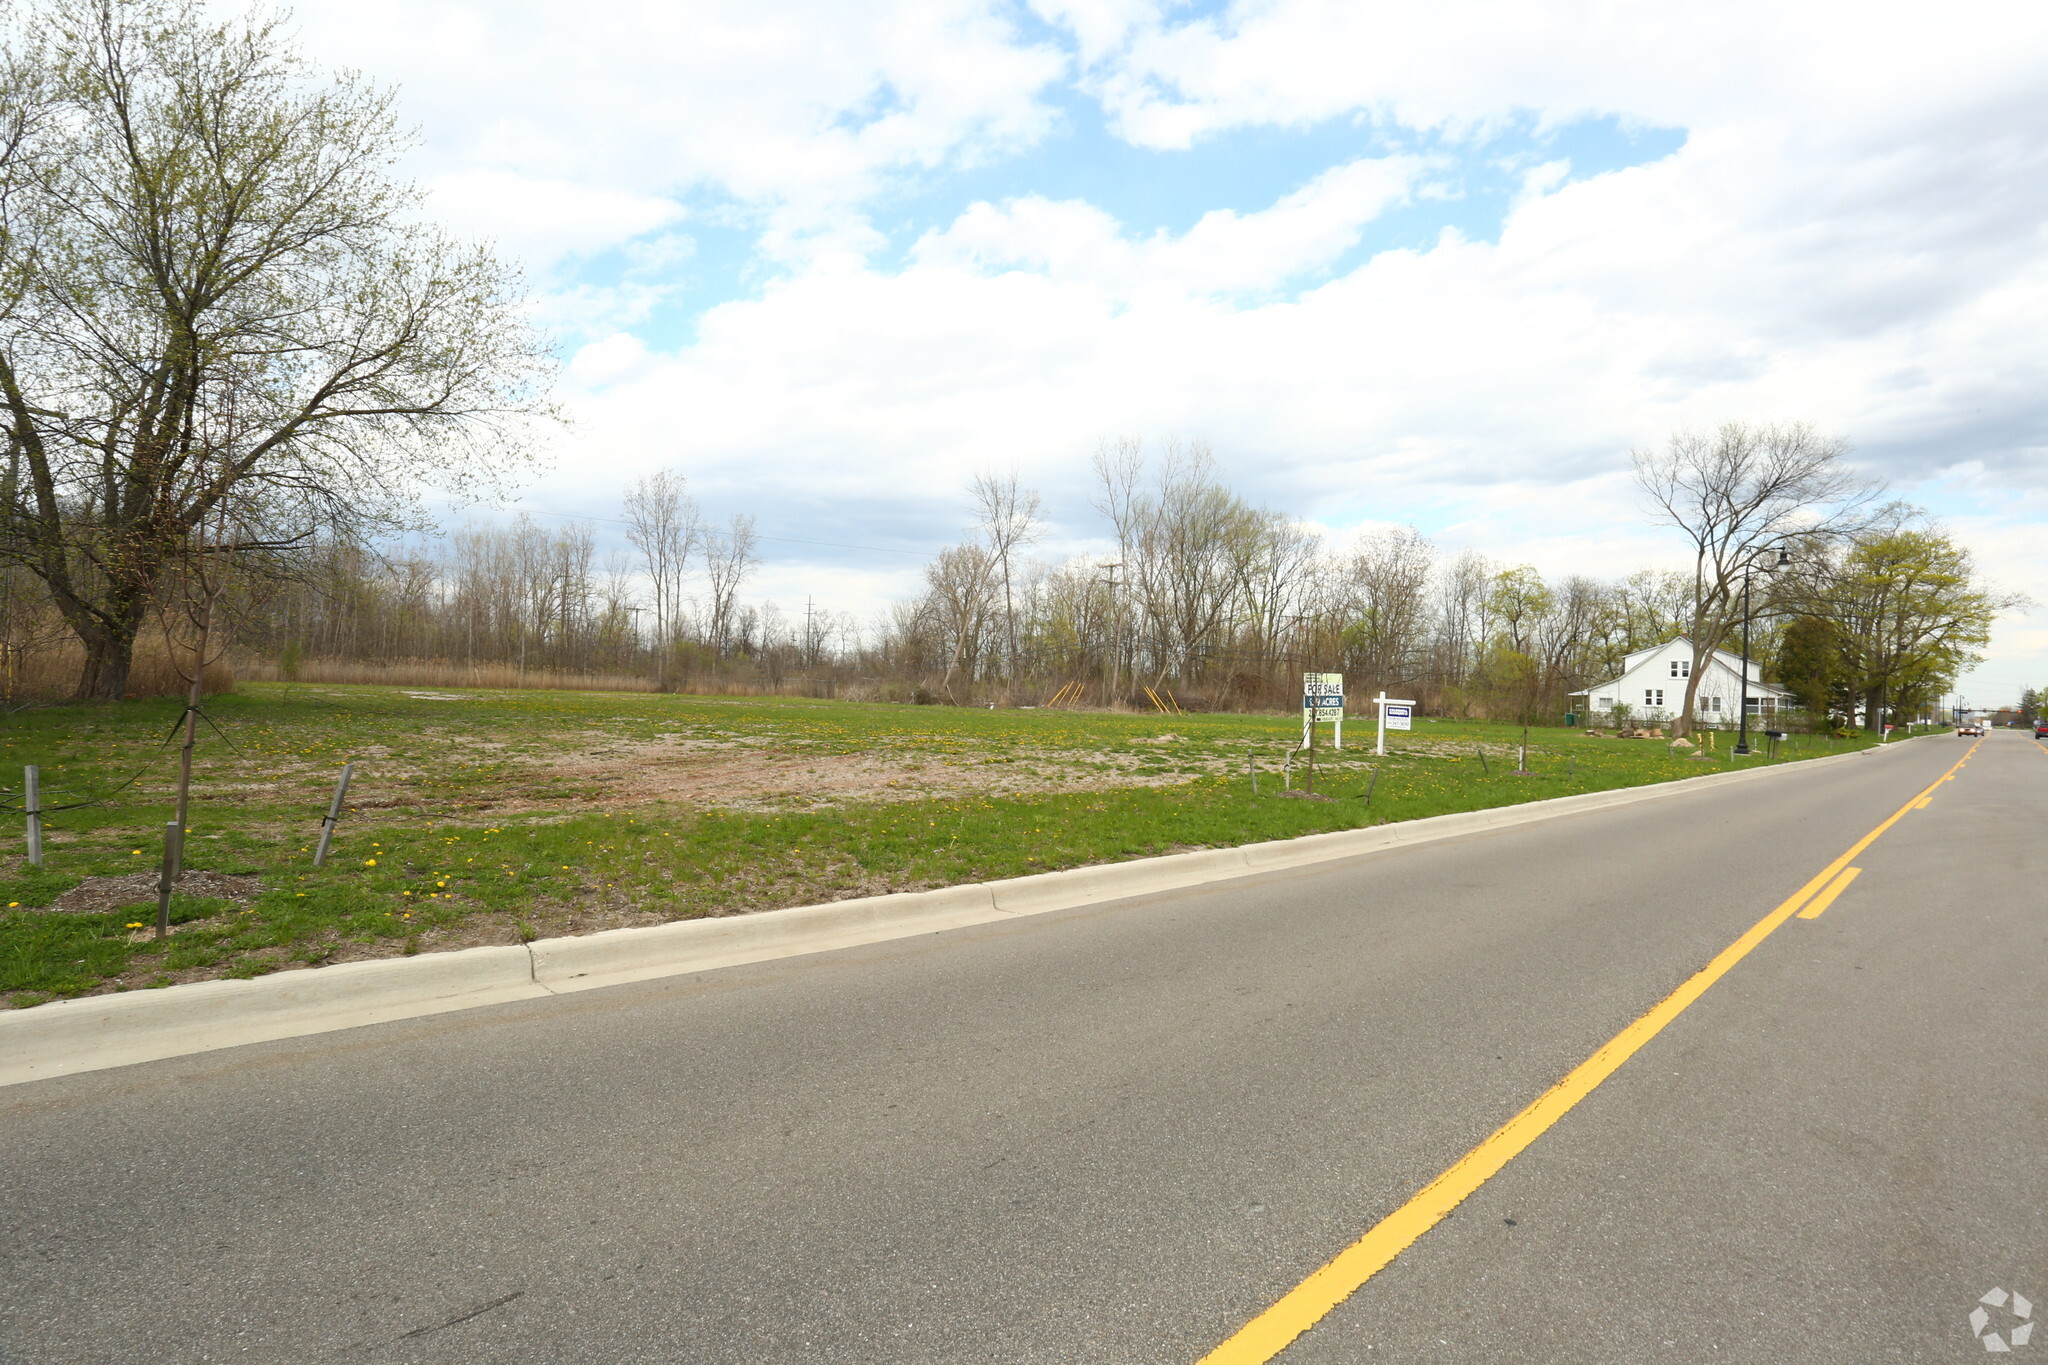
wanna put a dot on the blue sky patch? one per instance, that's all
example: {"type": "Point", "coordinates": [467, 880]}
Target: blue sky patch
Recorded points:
{"type": "Point", "coordinates": [1150, 191]}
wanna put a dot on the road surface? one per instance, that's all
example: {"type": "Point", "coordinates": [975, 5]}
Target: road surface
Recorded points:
{"type": "Point", "coordinates": [1122, 1133]}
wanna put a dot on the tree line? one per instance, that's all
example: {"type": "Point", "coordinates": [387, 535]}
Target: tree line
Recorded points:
{"type": "Point", "coordinates": [234, 355]}
{"type": "Point", "coordinates": [1864, 609]}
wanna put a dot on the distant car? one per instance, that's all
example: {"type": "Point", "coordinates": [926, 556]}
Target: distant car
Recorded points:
{"type": "Point", "coordinates": [1970, 728]}
{"type": "Point", "coordinates": [2041, 729]}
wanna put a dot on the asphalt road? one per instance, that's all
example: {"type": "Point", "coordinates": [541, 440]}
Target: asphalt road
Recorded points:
{"type": "Point", "coordinates": [1117, 1134]}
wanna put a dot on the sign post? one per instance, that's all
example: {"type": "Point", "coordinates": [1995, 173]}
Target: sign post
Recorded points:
{"type": "Point", "coordinates": [1395, 714]}
{"type": "Point", "coordinates": [1322, 698]}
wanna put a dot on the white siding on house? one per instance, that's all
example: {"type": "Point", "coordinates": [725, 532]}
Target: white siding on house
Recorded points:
{"type": "Point", "coordinates": [1654, 682]}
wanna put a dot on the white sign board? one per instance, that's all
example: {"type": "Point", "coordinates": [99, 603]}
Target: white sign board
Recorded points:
{"type": "Point", "coordinates": [1322, 698]}
{"type": "Point", "coordinates": [1396, 713]}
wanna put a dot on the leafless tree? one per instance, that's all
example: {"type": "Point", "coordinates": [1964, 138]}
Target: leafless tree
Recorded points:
{"type": "Point", "coordinates": [1275, 563]}
{"type": "Point", "coordinates": [1461, 616]}
{"type": "Point", "coordinates": [728, 562]}
{"type": "Point", "coordinates": [961, 582]}
{"type": "Point", "coordinates": [1007, 517]}
{"type": "Point", "coordinates": [1735, 493]}
{"type": "Point", "coordinates": [664, 526]}
{"type": "Point", "coordinates": [1386, 603]}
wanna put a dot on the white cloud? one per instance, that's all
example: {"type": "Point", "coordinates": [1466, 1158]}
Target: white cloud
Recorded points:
{"type": "Point", "coordinates": [1854, 233]}
{"type": "Point", "coordinates": [1225, 252]}
{"type": "Point", "coordinates": [1460, 65]}
{"type": "Point", "coordinates": [614, 360]}
{"type": "Point", "coordinates": [544, 219]}
{"type": "Point", "coordinates": [803, 108]}
{"type": "Point", "coordinates": [1466, 383]}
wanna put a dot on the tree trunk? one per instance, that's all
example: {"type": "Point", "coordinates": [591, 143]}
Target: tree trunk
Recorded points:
{"type": "Point", "coordinates": [109, 645]}
{"type": "Point", "coordinates": [1689, 697]}
{"type": "Point", "coordinates": [1873, 710]}
{"type": "Point", "coordinates": [108, 657]}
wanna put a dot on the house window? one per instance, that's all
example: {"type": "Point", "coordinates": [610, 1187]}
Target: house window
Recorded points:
{"type": "Point", "coordinates": [1681, 668]}
{"type": "Point", "coordinates": [1606, 702]}
{"type": "Point", "coordinates": [1653, 696]}
{"type": "Point", "coordinates": [1713, 703]}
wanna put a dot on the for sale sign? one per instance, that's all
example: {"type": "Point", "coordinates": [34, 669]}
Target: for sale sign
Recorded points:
{"type": "Point", "coordinates": [1399, 717]}
{"type": "Point", "coordinates": [1322, 696]}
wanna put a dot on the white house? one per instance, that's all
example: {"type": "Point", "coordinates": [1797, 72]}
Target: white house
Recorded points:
{"type": "Point", "coordinates": [1652, 686]}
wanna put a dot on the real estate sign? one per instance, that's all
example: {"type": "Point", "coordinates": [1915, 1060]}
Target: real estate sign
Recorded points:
{"type": "Point", "coordinates": [1322, 696]}
{"type": "Point", "coordinates": [1398, 717]}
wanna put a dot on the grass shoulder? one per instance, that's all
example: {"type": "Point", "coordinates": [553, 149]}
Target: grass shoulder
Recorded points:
{"type": "Point", "coordinates": [501, 817]}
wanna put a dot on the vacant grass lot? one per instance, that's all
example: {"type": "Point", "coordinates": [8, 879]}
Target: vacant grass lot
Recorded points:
{"type": "Point", "coordinates": [488, 817]}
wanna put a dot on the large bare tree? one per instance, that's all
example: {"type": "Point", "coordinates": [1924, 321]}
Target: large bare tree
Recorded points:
{"type": "Point", "coordinates": [191, 217]}
{"type": "Point", "coordinates": [1007, 516]}
{"type": "Point", "coordinates": [1387, 599]}
{"type": "Point", "coordinates": [729, 560]}
{"type": "Point", "coordinates": [1735, 494]}
{"type": "Point", "coordinates": [664, 525]}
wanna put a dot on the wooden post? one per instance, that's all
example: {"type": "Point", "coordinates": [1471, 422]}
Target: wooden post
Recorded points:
{"type": "Point", "coordinates": [1252, 771]}
{"type": "Point", "coordinates": [32, 806]}
{"type": "Point", "coordinates": [174, 846]}
{"type": "Point", "coordinates": [333, 816]}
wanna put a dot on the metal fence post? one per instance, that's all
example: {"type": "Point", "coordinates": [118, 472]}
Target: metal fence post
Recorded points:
{"type": "Point", "coordinates": [32, 803]}
{"type": "Point", "coordinates": [174, 843]}
{"type": "Point", "coordinates": [333, 816]}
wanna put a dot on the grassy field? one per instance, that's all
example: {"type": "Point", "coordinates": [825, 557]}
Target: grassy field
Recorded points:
{"type": "Point", "coordinates": [493, 817]}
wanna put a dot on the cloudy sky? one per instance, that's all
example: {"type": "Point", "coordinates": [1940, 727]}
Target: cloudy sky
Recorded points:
{"type": "Point", "coordinates": [1440, 263]}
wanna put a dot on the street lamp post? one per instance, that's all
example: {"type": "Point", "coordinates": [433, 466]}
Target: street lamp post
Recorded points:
{"type": "Point", "coordinates": [1742, 740]}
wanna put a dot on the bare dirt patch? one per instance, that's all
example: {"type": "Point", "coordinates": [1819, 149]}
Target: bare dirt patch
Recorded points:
{"type": "Point", "coordinates": [97, 895]}
{"type": "Point", "coordinates": [744, 777]}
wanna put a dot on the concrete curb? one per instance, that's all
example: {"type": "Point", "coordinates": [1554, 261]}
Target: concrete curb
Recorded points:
{"type": "Point", "coordinates": [96, 1032]}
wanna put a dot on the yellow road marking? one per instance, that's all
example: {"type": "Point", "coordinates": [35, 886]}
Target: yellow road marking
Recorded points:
{"type": "Point", "coordinates": [1923, 803]}
{"type": "Point", "coordinates": [1309, 1302]}
{"type": "Point", "coordinates": [1835, 888]}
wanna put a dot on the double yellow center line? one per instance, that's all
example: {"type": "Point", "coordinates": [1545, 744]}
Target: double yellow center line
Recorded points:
{"type": "Point", "coordinates": [1302, 1307]}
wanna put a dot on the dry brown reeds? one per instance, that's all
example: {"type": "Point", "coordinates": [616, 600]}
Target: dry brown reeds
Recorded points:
{"type": "Point", "coordinates": [454, 673]}
{"type": "Point", "coordinates": [438, 673]}
{"type": "Point", "coordinates": [50, 672]}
